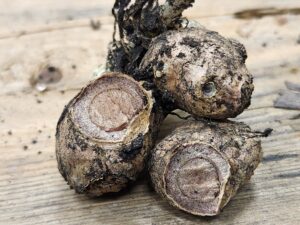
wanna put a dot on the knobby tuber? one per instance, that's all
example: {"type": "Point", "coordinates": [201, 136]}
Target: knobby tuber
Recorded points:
{"type": "Point", "coordinates": [187, 67]}
{"type": "Point", "coordinates": [200, 166]}
{"type": "Point", "coordinates": [104, 134]}
{"type": "Point", "coordinates": [203, 72]}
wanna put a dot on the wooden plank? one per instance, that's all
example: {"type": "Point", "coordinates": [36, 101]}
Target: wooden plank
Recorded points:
{"type": "Point", "coordinates": [19, 64]}
{"type": "Point", "coordinates": [78, 39]}
{"type": "Point", "coordinates": [21, 14]}
{"type": "Point", "coordinates": [58, 33]}
{"type": "Point", "coordinates": [81, 47]}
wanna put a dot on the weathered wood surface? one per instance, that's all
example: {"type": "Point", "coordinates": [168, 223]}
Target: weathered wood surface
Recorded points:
{"type": "Point", "coordinates": [36, 33]}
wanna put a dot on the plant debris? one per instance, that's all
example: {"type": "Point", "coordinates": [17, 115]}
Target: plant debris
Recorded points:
{"type": "Point", "coordinates": [292, 86]}
{"type": "Point", "coordinates": [289, 99]}
{"type": "Point", "coordinates": [262, 12]}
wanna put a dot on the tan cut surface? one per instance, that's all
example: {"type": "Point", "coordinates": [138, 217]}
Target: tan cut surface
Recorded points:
{"type": "Point", "coordinates": [115, 109]}
{"type": "Point", "coordinates": [35, 34]}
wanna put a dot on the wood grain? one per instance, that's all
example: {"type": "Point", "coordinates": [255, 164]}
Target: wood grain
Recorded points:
{"type": "Point", "coordinates": [35, 33]}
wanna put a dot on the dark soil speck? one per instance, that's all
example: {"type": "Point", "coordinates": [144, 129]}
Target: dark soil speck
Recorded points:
{"type": "Point", "coordinates": [95, 24]}
{"type": "Point", "coordinates": [264, 44]}
{"type": "Point", "coordinates": [293, 70]}
{"type": "Point", "coordinates": [298, 40]}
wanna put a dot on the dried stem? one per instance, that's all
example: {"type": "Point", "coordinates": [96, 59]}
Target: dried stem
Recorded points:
{"type": "Point", "coordinates": [138, 23]}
